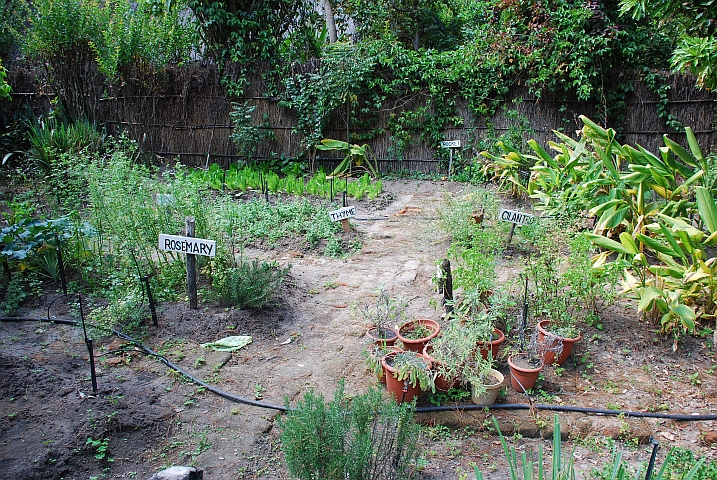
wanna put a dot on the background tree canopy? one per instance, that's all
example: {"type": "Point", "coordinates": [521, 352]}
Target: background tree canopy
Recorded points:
{"type": "Point", "coordinates": [439, 50]}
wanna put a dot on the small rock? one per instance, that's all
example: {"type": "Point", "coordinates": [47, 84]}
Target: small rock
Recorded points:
{"type": "Point", "coordinates": [178, 473]}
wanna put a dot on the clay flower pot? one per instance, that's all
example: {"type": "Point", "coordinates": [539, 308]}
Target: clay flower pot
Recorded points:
{"type": "Point", "coordinates": [489, 393]}
{"type": "Point", "coordinates": [395, 386]}
{"type": "Point", "coordinates": [522, 375]}
{"type": "Point", "coordinates": [493, 345]}
{"type": "Point", "coordinates": [417, 344]}
{"type": "Point", "coordinates": [442, 384]}
{"type": "Point", "coordinates": [381, 376]}
{"type": "Point", "coordinates": [552, 343]}
{"type": "Point", "coordinates": [382, 335]}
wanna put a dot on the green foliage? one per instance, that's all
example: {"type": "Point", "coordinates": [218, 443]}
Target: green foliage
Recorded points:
{"type": "Point", "coordinates": [472, 221]}
{"type": "Point", "coordinates": [529, 468]}
{"type": "Point", "coordinates": [5, 88]}
{"type": "Point", "coordinates": [148, 36]}
{"type": "Point", "coordinates": [367, 437]}
{"type": "Point", "coordinates": [51, 138]}
{"type": "Point", "coordinates": [315, 95]}
{"type": "Point", "coordinates": [246, 134]}
{"type": "Point", "coordinates": [13, 18]}
{"type": "Point", "coordinates": [643, 204]}
{"type": "Point", "coordinates": [266, 33]}
{"type": "Point", "coordinates": [356, 157]}
{"type": "Point", "coordinates": [411, 367]}
{"type": "Point", "coordinates": [679, 463]}
{"type": "Point", "coordinates": [75, 39]}
{"type": "Point", "coordinates": [251, 284]}
{"type": "Point", "coordinates": [697, 47]}
{"type": "Point", "coordinates": [100, 446]}
{"type": "Point", "coordinates": [19, 289]}
{"type": "Point", "coordinates": [246, 178]}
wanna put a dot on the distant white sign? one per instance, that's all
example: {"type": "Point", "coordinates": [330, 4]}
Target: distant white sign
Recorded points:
{"type": "Point", "coordinates": [195, 246]}
{"type": "Point", "coordinates": [342, 213]}
{"type": "Point", "coordinates": [513, 216]}
{"type": "Point", "coordinates": [451, 144]}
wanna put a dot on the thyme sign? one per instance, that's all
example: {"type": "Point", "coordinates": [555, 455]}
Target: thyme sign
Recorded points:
{"type": "Point", "coordinates": [343, 214]}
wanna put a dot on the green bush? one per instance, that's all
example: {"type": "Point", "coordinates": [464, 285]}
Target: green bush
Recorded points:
{"type": "Point", "coordinates": [251, 284]}
{"type": "Point", "coordinates": [368, 437]}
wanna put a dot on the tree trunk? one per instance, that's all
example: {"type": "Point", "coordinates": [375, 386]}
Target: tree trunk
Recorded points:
{"type": "Point", "coordinates": [330, 22]}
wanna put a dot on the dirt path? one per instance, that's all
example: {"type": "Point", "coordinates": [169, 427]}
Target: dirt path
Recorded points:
{"type": "Point", "coordinates": [152, 417]}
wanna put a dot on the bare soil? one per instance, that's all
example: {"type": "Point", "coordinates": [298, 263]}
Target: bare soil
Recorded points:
{"type": "Point", "coordinates": [152, 417]}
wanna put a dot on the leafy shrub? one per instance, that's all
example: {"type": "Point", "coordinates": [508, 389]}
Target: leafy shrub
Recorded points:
{"type": "Point", "coordinates": [20, 288]}
{"type": "Point", "coordinates": [251, 284]}
{"type": "Point", "coordinates": [368, 437]}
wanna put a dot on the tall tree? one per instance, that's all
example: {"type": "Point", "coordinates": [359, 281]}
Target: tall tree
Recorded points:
{"type": "Point", "coordinates": [330, 21]}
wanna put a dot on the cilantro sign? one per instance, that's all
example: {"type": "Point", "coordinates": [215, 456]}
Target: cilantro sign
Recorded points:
{"type": "Point", "coordinates": [513, 216]}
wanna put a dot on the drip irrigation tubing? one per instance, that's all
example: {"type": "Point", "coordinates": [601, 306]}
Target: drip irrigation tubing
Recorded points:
{"type": "Point", "coordinates": [446, 408]}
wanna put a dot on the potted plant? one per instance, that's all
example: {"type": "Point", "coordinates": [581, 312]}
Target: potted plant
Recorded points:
{"type": "Point", "coordinates": [417, 333]}
{"type": "Point", "coordinates": [480, 318]}
{"type": "Point", "coordinates": [527, 363]}
{"type": "Point", "coordinates": [457, 358]}
{"type": "Point", "coordinates": [373, 354]}
{"type": "Point", "coordinates": [560, 301]}
{"type": "Point", "coordinates": [382, 314]}
{"type": "Point", "coordinates": [407, 373]}
{"type": "Point", "coordinates": [485, 381]}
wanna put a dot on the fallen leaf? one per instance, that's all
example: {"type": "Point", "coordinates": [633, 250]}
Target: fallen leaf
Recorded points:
{"type": "Point", "coordinates": [286, 342]}
{"type": "Point", "coordinates": [667, 435]}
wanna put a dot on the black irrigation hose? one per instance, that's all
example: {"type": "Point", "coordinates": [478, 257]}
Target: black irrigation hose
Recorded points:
{"type": "Point", "coordinates": [568, 408]}
{"type": "Point", "coordinates": [446, 408]}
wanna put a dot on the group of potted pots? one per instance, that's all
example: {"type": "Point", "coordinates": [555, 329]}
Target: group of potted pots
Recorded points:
{"type": "Point", "coordinates": [424, 355]}
{"type": "Point", "coordinates": [433, 357]}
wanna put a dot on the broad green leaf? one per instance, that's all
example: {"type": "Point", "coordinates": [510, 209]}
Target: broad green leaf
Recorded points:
{"type": "Point", "coordinates": [539, 150]}
{"type": "Point", "coordinates": [686, 315]}
{"type": "Point", "coordinates": [599, 209]}
{"type": "Point", "coordinates": [611, 219]}
{"type": "Point", "coordinates": [334, 144]}
{"type": "Point", "coordinates": [694, 146]}
{"type": "Point", "coordinates": [647, 295]}
{"type": "Point", "coordinates": [608, 243]}
{"type": "Point", "coordinates": [656, 246]}
{"type": "Point", "coordinates": [629, 243]}
{"type": "Point", "coordinates": [707, 208]}
{"type": "Point", "coordinates": [678, 150]}
{"type": "Point", "coordinates": [671, 239]}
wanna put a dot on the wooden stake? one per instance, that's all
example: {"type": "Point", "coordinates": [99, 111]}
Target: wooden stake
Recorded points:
{"type": "Point", "coordinates": [191, 266]}
{"type": "Point", "coordinates": [345, 224]}
{"type": "Point", "coordinates": [447, 285]}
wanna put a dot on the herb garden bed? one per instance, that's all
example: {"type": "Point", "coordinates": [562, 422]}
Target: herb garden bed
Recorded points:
{"type": "Point", "coordinates": [145, 416]}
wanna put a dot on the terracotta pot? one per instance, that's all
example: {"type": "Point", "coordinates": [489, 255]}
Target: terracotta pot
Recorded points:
{"type": "Point", "coordinates": [553, 341]}
{"type": "Point", "coordinates": [442, 384]}
{"type": "Point", "coordinates": [381, 376]}
{"type": "Point", "coordinates": [382, 335]}
{"type": "Point", "coordinates": [522, 377]}
{"type": "Point", "coordinates": [493, 345]}
{"type": "Point", "coordinates": [490, 394]}
{"type": "Point", "coordinates": [417, 344]}
{"type": "Point", "coordinates": [395, 386]}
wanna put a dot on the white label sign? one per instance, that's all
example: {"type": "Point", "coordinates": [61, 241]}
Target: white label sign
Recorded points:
{"type": "Point", "coordinates": [513, 216]}
{"type": "Point", "coordinates": [342, 213]}
{"type": "Point", "coordinates": [195, 246]}
{"type": "Point", "coordinates": [451, 144]}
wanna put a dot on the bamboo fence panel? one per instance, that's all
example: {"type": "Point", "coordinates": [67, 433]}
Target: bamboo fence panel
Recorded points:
{"type": "Point", "coordinates": [184, 114]}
